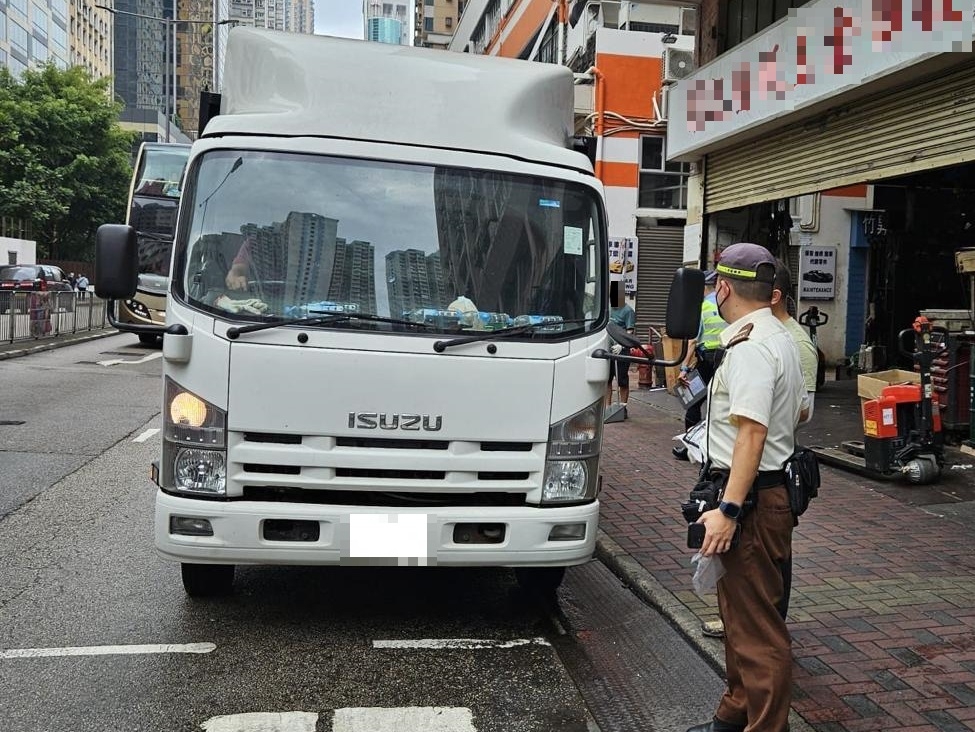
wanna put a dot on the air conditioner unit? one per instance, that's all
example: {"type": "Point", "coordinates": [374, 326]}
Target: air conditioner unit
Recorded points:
{"type": "Point", "coordinates": [678, 64]}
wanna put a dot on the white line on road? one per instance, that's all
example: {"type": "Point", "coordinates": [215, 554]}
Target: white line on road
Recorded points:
{"type": "Point", "coordinates": [116, 361]}
{"type": "Point", "coordinates": [263, 722]}
{"type": "Point", "coordinates": [108, 650]}
{"type": "Point", "coordinates": [398, 719]}
{"type": "Point", "coordinates": [458, 643]}
{"type": "Point", "coordinates": [146, 435]}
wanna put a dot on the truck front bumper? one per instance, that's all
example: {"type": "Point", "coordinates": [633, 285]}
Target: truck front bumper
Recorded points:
{"type": "Point", "coordinates": [376, 536]}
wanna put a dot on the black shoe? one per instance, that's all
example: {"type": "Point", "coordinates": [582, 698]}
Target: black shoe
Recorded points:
{"type": "Point", "coordinates": [716, 725]}
{"type": "Point", "coordinates": [681, 453]}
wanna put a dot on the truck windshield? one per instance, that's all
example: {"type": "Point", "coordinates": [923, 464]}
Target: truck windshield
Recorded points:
{"type": "Point", "coordinates": [279, 235]}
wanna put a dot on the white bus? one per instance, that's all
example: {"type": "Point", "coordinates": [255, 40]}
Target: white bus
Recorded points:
{"type": "Point", "coordinates": [153, 202]}
{"type": "Point", "coordinates": [386, 338]}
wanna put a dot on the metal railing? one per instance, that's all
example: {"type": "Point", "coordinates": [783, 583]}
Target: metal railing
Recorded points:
{"type": "Point", "coordinates": [27, 316]}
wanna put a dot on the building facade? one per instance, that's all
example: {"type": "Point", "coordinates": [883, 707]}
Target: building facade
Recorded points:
{"type": "Point", "coordinates": [435, 22]}
{"type": "Point", "coordinates": [377, 15]}
{"type": "Point", "coordinates": [844, 141]}
{"type": "Point", "coordinates": [625, 56]}
{"type": "Point", "coordinates": [384, 30]}
{"type": "Point", "coordinates": [89, 37]}
{"type": "Point", "coordinates": [34, 33]}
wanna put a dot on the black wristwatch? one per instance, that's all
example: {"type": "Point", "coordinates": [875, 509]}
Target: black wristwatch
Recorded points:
{"type": "Point", "coordinates": [731, 510]}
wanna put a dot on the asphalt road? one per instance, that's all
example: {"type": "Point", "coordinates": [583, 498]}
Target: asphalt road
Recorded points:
{"type": "Point", "coordinates": [97, 634]}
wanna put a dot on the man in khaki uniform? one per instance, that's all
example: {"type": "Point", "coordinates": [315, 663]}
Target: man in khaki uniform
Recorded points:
{"type": "Point", "coordinates": [755, 404]}
{"type": "Point", "coordinates": [809, 361]}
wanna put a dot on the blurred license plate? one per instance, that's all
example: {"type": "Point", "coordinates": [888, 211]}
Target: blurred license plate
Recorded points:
{"type": "Point", "coordinates": [388, 536]}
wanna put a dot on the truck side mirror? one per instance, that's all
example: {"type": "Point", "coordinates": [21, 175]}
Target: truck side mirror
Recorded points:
{"type": "Point", "coordinates": [116, 262]}
{"type": "Point", "coordinates": [684, 303]}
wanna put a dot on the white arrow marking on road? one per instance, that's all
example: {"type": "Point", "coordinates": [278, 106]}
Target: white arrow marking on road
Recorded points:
{"type": "Point", "coordinates": [108, 650]}
{"type": "Point", "coordinates": [116, 361]}
{"type": "Point", "coordinates": [263, 722]}
{"type": "Point", "coordinates": [146, 435]}
{"type": "Point", "coordinates": [398, 719]}
{"type": "Point", "coordinates": [458, 643]}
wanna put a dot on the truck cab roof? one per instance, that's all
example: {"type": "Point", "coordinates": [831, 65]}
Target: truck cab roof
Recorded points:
{"type": "Point", "coordinates": [293, 85]}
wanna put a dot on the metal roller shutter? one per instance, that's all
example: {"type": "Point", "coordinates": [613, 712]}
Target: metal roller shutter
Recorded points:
{"type": "Point", "coordinates": [661, 252]}
{"type": "Point", "coordinates": [923, 125]}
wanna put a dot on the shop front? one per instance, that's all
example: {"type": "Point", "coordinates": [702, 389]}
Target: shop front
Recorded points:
{"type": "Point", "coordinates": [868, 123]}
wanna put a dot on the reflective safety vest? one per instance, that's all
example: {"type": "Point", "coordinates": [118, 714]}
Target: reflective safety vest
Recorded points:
{"type": "Point", "coordinates": [711, 327]}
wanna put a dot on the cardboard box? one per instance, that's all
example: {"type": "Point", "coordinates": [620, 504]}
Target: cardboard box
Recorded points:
{"type": "Point", "coordinates": [965, 260]}
{"type": "Point", "coordinates": [869, 386]}
{"type": "Point", "coordinates": [671, 350]}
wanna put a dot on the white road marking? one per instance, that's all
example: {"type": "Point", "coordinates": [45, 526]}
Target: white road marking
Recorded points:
{"type": "Point", "coordinates": [400, 719]}
{"type": "Point", "coordinates": [458, 643]}
{"type": "Point", "coordinates": [116, 361]}
{"type": "Point", "coordinates": [263, 722]}
{"type": "Point", "coordinates": [146, 435]}
{"type": "Point", "coordinates": [107, 650]}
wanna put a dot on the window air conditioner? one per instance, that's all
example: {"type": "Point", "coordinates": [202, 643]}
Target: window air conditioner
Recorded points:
{"type": "Point", "coordinates": [678, 64]}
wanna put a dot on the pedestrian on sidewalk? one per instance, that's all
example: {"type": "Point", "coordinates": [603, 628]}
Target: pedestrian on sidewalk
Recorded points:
{"type": "Point", "coordinates": [755, 404]}
{"type": "Point", "coordinates": [624, 316]}
{"type": "Point", "coordinates": [82, 286]}
{"type": "Point", "coordinates": [703, 353]}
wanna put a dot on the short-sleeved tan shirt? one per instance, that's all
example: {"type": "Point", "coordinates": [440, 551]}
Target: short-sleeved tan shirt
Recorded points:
{"type": "Point", "coordinates": [759, 378]}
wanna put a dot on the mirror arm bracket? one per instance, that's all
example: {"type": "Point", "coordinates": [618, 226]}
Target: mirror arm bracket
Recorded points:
{"type": "Point", "coordinates": [604, 354]}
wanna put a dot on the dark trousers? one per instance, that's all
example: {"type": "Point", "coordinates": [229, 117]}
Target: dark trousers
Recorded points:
{"type": "Point", "coordinates": [758, 650]}
{"type": "Point", "coordinates": [705, 367]}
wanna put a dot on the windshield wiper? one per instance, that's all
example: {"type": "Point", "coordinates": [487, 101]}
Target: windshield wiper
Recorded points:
{"type": "Point", "coordinates": [327, 319]}
{"type": "Point", "coordinates": [153, 237]}
{"type": "Point", "coordinates": [378, 319]}
{"type": "Point", "coordinates": [235, 332]}
{"type": "Point", "coordinates": [441, 346]}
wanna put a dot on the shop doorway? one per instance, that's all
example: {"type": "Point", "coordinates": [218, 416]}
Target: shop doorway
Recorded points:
{"type": "Point", "coordinates": [926, 218]}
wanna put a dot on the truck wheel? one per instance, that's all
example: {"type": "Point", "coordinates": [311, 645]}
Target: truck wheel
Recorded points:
{"type": "Point", "coordinates": [147, 339]}
{"type": "Point", "coordinates": [207, 580]}
{"type": "Point", "coordinates": [540, 579]}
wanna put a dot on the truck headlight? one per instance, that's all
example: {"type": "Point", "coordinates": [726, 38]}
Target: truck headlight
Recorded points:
{"type": "Point", "coordinates": [572, 463]}
{"type": "Point", "coordinates": [194, 443]}
{"type": "Point", "coordinates": [201, 471]}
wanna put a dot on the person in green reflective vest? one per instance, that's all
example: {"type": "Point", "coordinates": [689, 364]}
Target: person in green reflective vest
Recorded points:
{"type": "Point", "coordinates": [703, 353]}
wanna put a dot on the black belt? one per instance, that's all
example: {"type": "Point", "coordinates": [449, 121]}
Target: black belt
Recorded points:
{"type": "Point", "coordinates": [765, 478]}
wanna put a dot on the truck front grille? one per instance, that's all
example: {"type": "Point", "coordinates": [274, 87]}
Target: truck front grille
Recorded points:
{"type": "Point", "coordinates": [380, 498]}
{"type": "Point", "coordinates": [384, 466]}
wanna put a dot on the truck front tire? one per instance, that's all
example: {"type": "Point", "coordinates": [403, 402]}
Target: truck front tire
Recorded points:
{"type": "Point", "coordinates": [545, 580]}
{"type": "Point", "coordinates": [207, 580]}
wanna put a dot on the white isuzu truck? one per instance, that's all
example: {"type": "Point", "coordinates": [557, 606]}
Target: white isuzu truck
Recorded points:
{"type": "Point", "coordinates": [386, 332]}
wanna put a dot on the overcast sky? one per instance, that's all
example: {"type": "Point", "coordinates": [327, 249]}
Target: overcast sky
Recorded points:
{"type": "Point", "coordinates": [339, 18]}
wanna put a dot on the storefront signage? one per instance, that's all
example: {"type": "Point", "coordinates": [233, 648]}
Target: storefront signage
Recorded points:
{"type": "Point", "coordinates": [622, 263]}
{"type": "Point", "coordinates": [817, 273]}
{"type": "Point", "coordinates": [820, 50]}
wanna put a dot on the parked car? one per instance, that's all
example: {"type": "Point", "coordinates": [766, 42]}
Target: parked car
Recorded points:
{"type": "Point", "coordinates": [33, 278]}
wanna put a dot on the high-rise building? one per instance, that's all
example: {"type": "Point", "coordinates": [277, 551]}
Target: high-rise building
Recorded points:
{"type": "Point", "coordinates": [294, 16]}
{"type": "Point", "coordinates": [32, 34]}
{"type": "Point", "coordinates": [384, 30]}
{"type": "Point", "coordinates": [435, 22]}
{"type": "Point", "coordinates": [353, 275]}
{"type": "Point", "coordinates": [89, 37]}
{"type": "Point", "coordinates": [140, 54]}
{"type": "Point", "coordinates": [388, 21]}
{"type": "Point", "coordinates": [413, 280]}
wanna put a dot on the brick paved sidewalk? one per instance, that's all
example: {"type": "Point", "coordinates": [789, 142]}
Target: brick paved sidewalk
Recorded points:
{"type": "Point", "coordinates": [883, 604]}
